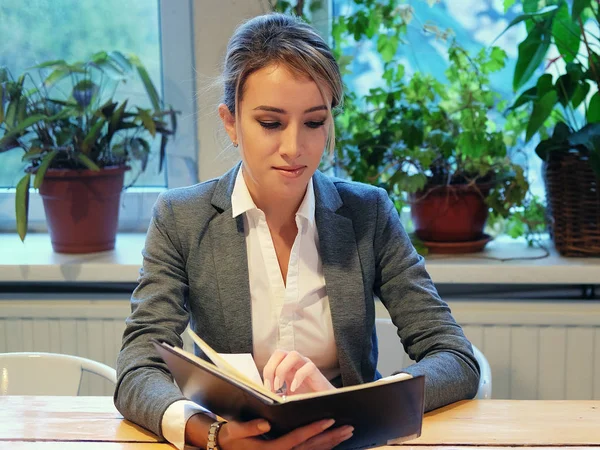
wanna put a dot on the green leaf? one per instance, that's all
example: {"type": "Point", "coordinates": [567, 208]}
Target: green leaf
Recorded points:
{"type": "Point", "coordinates": [530, 6]}
{"type": "Point", "coordinates": [578, 7]}
{"type": "Point", "coordinates": [92, 136]}
{"type": "Point", "coordinates": [21, 128]}
{"type": "Point", "coordinates": [566, 33]}
{"type": "Point", "coordinates": [121, 60]}
{"type": "Point", "coordinates": [54, 62]}
{"type": "Point", "coordinates": [39, 176]}
{"type": "Point", "coordinates": [116, 121]}
{"type": "Point", "coordinates": [528, 96]}
{"type": "Point", "coordinates": [87, 162]}
{"type": "Point", "coordinates": [387, 47]}
{"type": "Point", "coordinates": [56, 76]}
{"type": "Point", "coordinates": [508, 4]}
{"type": "Point", "coordinates": [544, 85]}
{"type": "Point", "coordinates": [147, 82]}
{"type": "Point", "coordinates": [531, 54]}
{"type": "Point", "coordinates": [541, 111]}
{"type": "Point", "coordinates": [33, 153]}
{"type": "Point", "coordinates": [22, 205]}
{"type": "Point", "coordinates": [593, 112]}
{"type": "Point", "coordinates": [565, 87]}
{"type": "Point", "coordinates": [581, 92]}
{"type": "Point", "coordinates": [147, 120]}
{"type": "Point", "coordinates": [11, 113]}
{"type": "Point", "coordinates": [527, 16]}
{"type": "Point", "coordinates": [497, 59]}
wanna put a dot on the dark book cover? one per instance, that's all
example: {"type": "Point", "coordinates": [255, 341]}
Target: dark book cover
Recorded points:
{"type": "Point", "coordinates": [379, 412]}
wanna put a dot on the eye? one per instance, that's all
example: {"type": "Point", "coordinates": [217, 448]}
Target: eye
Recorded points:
{"type": "Point", "coordinates": [269, 125]}
{"type": "Point", "coordinates": [314, 124]}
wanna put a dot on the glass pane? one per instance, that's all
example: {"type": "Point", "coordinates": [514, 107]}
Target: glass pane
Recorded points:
{"type": "Point", "coordinates": [475, 23]}
{"type": "Point", "coordinates": [41, 30]}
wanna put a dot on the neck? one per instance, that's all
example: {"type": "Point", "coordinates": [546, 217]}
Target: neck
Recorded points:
{"type": "Point", "coordinates": [279, 212]}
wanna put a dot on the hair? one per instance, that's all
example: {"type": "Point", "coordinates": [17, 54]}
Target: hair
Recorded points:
{"type": "Point", "coordinates": [280, 39]}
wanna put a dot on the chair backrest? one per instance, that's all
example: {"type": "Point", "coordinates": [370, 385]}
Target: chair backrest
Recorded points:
{"type": "Point", "coordinates": [393, 358]}
{"type": "Point", "coordinates": [33, 373]}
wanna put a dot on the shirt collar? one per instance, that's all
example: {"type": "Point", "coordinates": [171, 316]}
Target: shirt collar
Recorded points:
{"type": "Point", "coordinates": [241, 200]}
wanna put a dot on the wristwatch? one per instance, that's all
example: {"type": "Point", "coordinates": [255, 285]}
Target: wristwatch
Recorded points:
{"type": "Point", "coordinates": [213, 433]}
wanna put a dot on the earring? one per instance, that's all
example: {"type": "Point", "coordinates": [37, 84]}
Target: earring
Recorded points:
{"type": "Point", "coordinates": [235, 144]}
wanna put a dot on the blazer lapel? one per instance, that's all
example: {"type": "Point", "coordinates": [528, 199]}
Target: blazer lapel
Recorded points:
{"type": "Point", "coordinates": [343, 277]}
{"type": "Point", "coordinates": [231, 267]}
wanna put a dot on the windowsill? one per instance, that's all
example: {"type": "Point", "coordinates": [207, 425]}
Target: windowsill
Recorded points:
{"type": "Point", "coordinates": [34, 261]}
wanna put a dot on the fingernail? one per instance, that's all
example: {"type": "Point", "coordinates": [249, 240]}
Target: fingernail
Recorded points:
{"type": "Point", "coordinates": [267, 384]}
{"type": "Point", "coordinates": [264, 426]}
{"type": "Point", "coordinates": [327, 423]}
{"type": "Point", "coordinates": [348, 429]}
{"type": "Point", "coordinates": [276, 384]}
{"type": "Point", "coordinates": [294, 385]}
{"type": "Point", "coordinates": [346, 436]}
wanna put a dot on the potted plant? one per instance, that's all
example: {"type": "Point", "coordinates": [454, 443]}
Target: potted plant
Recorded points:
{"type": "Point", "coordinates": [78, 141]}
{"type": "Point", "coordinates": [434, 145]}
{"type": "Point", "coordinates": [570, 104]}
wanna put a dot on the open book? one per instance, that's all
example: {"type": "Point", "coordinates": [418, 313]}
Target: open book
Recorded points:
{"type": "Point", "coordinates": [389, 409]}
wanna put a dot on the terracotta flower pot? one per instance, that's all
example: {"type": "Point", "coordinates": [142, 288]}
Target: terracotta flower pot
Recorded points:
{"type": "Point", "coordinates": [454, 213]}
{"type": "Point", "coordinates": [82, 208]}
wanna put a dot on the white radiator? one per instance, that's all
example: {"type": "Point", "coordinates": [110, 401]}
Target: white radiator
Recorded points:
{"type": "Point", "coordinates": [536, 349]}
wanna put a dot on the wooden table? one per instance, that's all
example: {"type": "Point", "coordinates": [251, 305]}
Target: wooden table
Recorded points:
{"type": "Point", "coordinates": [92, 423]}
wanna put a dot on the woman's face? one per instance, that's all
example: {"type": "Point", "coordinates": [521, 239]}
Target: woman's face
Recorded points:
{"type": "Point", "coordinates": [284, 124]}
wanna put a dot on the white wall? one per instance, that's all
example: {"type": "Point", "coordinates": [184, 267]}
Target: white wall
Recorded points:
{"type": "Point", "coordinates": [214, 22]}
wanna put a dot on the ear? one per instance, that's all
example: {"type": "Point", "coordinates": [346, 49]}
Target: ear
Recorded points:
{"type": "Point", "coordinates": [228, 122]}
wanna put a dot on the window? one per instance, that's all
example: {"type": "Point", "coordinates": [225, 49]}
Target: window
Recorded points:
{"type": "Point", "coordinates": [475, 23]}
{"type": "Point", "coordinates": [159, 32]}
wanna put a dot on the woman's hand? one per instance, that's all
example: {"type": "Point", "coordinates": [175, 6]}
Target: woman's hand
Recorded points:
{"type": "Point", "coordinates": [298, 372]}
{"type": "Point", "coordinates": [243, 435]}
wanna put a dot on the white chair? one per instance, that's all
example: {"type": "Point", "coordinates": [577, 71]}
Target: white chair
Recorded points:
{"type": "Point", "coordinates": [32, 373]}
{"type": "Point", "coordinates": [392, 358]}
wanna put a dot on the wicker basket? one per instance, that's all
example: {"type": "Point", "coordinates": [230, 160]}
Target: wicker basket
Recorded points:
{"type": "Point", "coordinates": [573, 197]}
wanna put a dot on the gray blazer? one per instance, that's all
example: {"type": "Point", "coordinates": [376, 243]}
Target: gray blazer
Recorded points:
{"type": "Point", "coordinates": [195, 269]}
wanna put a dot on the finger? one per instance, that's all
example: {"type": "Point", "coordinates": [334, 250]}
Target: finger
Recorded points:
{"type": "Point", "coordinates": [232, 431]}
{"type": "Point", "coordinates": [301, 435]}
{"type": "Point", "coordinates": [287, 368]}
{"type": "Point", "coordinates": [308, 370]}
{"type": "Point", "coordinates": [269, 369]}
{"type": "Point", "coordinates": [328, 439]}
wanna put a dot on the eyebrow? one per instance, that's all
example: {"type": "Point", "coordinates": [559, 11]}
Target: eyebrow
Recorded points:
{"type": "Point", "coordinates": [281, 111]}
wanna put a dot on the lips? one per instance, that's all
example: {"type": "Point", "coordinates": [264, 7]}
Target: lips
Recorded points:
{"type": "Point", "coordinates": [290, 171]}
{"type": "Point", "coordinates": [289, 168]}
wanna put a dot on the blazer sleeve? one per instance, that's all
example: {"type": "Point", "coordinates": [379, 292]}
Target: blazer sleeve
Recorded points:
{"type": "Point", "coordinates": [145, 387]}
{"type": "Point", "coordinates": [428, 331]}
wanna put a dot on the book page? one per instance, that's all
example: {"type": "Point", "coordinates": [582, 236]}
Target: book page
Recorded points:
{"type": "Point", "coordinates": [386, 380]}
{"type": "Point", "coordinates": [244, 363]}
{"type": "Point", "coordinates": [232, 377]}
{"type": "Point", "coordinates": [241, 365]}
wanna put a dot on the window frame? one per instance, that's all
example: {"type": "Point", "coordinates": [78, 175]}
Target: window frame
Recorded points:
{"type": "Point", "coordinates": [178, 86]}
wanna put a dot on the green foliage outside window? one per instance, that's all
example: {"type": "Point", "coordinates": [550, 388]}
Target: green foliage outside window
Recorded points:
{"type": "Point", "coordinates": [411, 134]}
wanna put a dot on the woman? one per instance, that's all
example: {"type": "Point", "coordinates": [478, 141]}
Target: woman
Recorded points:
{"type": "Point", "coordinates": [276, 259]}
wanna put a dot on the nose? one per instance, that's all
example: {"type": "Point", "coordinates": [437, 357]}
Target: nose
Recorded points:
{"type": "Point", "coordinates": [291, 143]}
